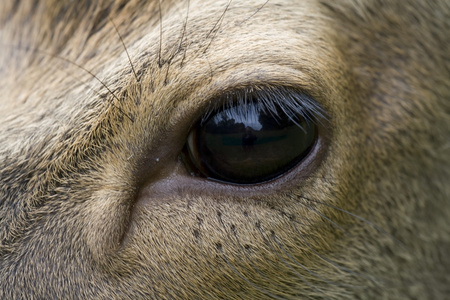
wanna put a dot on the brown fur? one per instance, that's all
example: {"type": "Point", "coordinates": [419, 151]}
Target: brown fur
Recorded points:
{"type": "Point", "coordinates": [94, 202]}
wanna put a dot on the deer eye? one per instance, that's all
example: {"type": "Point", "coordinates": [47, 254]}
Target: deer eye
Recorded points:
{"type": "Point", "coordinates": [255, 139]}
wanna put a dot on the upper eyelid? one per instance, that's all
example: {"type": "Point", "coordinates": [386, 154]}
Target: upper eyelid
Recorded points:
{"type": "Point", "coordinates": [292, 102]}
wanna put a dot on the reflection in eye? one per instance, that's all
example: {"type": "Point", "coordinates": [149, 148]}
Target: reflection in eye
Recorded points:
{"type": "Point", "coordinates": [254, 140]}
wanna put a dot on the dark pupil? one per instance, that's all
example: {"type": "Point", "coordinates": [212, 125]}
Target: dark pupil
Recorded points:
{"type": "Point", "coordinates": [245, 144]}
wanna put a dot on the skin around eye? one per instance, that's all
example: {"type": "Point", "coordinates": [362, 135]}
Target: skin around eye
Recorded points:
{"type": "Point", "coordinates": [247, 144]}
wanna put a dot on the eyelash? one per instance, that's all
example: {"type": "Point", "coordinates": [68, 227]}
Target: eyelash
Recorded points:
{"type": "Point", "coordinates": [272, 100]}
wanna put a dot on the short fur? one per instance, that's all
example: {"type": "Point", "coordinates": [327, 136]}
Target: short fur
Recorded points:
{"type": "Point", "coordinates": [94, 202]}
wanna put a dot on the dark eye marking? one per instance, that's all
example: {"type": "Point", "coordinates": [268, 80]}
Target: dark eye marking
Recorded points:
{"type": "Point", "coordinates": [257, 136]}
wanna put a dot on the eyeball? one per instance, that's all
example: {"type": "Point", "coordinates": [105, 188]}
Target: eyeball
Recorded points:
{"type": "Point", "coordinates": [251, 141]}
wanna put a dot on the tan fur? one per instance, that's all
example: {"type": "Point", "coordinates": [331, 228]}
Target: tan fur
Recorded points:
{"type": "Point", "coordinates": [94, 202]}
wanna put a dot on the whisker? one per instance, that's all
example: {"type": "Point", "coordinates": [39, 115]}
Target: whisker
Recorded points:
{"type": "Point", "coordinates": [124, 47]}
{"type": "Point", "coordinates": [210, 68]}
{"type": "Point", "coordinates": [219, 20]}
{"type": "Point", "coordinates": [84, 83]}
{"type": "Point", "coordinates": [183, 34]}
{"type": "Point", "coordinates": [215, 30]}
{"type": "Point", "coordinates": [160, 35]}
{"type": "Point", "coordinates": [166, 77]}
{"type": "Point", "coordinates": [174, 53]}
{"type": "Point", "coordinates": [257, 11]}
{"type": "Point", "coordinates": [56, 56]}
